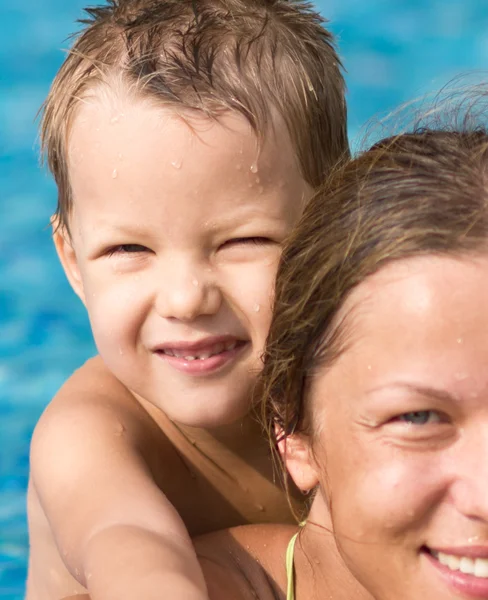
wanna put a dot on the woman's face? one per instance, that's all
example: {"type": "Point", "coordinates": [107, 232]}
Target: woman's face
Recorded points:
{"type": "Point", "coordinates": [400, 440]}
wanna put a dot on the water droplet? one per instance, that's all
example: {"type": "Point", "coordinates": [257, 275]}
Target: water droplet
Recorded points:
{"type": "Point", "coordinates": [258, 179]}
{"type": "Point", "coordinates": [460, 340]}
{"type": "Point", "coordinates": [254, 167]}
{"type": "Point", "coordinates": [120, 156]}
{"type": "Point", "coordinates": [176, 163]}
{"type": "Point", "coordinates": [119, 429]}
{"type": "Point", "coordinates": [120, 350]}
{"type": "Point", "coordinates": [460, 376]}
{"type": "Point", "coordinates": [473, 539]}
{"type": "Point", "coordinates": [239, 167]}
{"type": "Point", "coordinates": [114, 174]}
{"type": "Point", "coordinates": [257, 307]}
{"type": "Point", "coordinates": [369, 367]}
{"type": "Point", "coordinates": [195, 282]}
{"type": "Point", "coordinates": [114, 120]}
{"type": "Point", "coordinates": [260, 507]}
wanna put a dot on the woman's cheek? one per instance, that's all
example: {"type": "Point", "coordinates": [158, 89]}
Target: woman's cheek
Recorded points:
{"type": "Point", "coordinates": [385, 494]}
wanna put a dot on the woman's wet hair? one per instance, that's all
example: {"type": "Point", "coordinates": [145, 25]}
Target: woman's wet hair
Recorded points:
{"type": "Point", "coordinates": [414, 194]}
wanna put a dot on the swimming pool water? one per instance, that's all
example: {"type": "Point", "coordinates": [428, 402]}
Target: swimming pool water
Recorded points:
{"type": "Point", "coordinates": [393, 52]}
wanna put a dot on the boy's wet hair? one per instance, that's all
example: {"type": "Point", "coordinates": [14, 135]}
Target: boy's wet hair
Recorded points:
{"type": "Point", "coordinates": [416, 194]}
{"type": "Point", "coordinates": [260, 58]}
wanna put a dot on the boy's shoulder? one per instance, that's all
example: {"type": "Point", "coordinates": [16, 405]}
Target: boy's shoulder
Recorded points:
{"type": "Point", "coordinates": [94, 403]}
{"type": "Point", "coordinates": [93, 389]}
{"type": "Point", "coordinates": [250, 559]}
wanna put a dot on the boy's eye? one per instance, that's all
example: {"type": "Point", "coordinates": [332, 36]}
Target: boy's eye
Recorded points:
{"type": "Point", "coordinates": [127, 249]}
{"type": "Point", "coordinates": [421, 417]}
{"type": "Point", "coordinates": [258, 241]}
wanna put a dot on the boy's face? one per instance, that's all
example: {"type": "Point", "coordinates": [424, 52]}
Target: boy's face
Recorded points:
{"type": "Point", "coordinates": [176, 231]}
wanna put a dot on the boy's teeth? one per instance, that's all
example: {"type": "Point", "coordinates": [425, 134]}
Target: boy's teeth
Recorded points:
{"type": "Point", "coordinates": [471, 566]}
{"type": "Point", "coordinates": [217, 349]}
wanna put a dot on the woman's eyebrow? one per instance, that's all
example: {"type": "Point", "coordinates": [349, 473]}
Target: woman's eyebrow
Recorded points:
{"type": "Point", "coordinates": [419, 389]}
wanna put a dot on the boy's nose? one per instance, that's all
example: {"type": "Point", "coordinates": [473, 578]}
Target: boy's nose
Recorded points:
{"type": "Point", "coordinates": [185, 294]}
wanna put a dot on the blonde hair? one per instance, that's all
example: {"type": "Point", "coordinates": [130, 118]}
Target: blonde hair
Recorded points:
{"type": "Point", "coordinates": [250, 56]}
{"type": "Point", "coordinates": [413, 194]}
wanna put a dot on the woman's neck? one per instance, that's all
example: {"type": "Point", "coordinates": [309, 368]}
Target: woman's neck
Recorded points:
{"type": "Point", "coordinates": [320, 571]}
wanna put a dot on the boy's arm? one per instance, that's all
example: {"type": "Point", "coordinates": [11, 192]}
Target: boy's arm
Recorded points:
{"type": "Point", "coordinates": [116, 531]}
{"type": "Point", "coordinates": [235, 563]}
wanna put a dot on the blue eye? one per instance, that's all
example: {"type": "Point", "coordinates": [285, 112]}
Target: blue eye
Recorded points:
{"type": "Point", "coordinates": [420, 417]}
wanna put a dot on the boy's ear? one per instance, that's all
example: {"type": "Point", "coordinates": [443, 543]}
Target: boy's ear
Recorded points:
{"type": "Point", "coordinates": [67, 257]}
{"type": "Point", "coordinates": [296, 451]}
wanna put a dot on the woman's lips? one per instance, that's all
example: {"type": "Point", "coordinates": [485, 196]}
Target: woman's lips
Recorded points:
{"type": "Point", "coordinates": [464, 569]}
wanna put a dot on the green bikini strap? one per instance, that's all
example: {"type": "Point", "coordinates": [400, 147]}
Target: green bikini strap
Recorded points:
{"type": "Point", "coordinates": [290, 569]}
{"type": "Point", "coordinates": [290, 572]}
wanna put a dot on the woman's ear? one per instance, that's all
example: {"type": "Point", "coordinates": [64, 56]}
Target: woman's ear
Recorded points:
{"type": "Point", "coordinates": [67, 257]}
{"type": "Point", "coordinates": [296, 452]}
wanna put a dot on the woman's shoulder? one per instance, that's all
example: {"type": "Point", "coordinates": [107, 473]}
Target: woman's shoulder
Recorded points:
{"type": "Point", "coordinates": [245, 563]}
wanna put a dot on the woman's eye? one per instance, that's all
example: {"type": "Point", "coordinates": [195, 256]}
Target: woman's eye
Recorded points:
{"type": "Point", "coordinates": [127, 249]}
{"type": "Point", "coordinates": [421, 417]}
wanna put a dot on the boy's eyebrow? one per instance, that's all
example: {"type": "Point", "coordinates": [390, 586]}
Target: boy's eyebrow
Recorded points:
{"type": "Point", "coordinates": [124, 228]}
{"type": "Point", "coordinates": [423, 390]}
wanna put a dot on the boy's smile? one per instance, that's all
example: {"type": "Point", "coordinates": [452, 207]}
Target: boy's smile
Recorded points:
{"type": "Point", "coordinates": [203, 356]}
{"type": "Point", "coordinates": [176, 232]}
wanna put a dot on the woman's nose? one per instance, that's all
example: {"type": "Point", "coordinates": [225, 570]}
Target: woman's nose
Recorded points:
{"type": "Point", "coordinates": [469, 489]}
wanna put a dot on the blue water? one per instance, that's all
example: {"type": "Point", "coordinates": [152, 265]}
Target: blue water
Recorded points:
{"type": "Point", "coordinates": [393, 51]}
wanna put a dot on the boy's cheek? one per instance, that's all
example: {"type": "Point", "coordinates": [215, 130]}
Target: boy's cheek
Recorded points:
{"type": "Point", "coordinates": [113, 305]}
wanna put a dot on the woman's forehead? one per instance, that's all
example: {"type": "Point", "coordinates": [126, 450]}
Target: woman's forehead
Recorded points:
{"type": "Point", "coordinates": [407, 320]}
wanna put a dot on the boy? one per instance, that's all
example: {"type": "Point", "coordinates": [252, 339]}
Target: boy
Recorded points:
{"type": "Point", "coordinates": [185, 137]}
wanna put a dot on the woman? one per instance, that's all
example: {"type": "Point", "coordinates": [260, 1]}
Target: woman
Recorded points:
{"type": "Point", "coordinates": [376, 386]}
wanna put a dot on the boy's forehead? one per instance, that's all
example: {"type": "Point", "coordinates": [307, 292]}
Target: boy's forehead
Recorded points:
{"type": "Point", "coordinates": [121, 145]}
{"type": "Point", "coordinates": [110, 112]}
